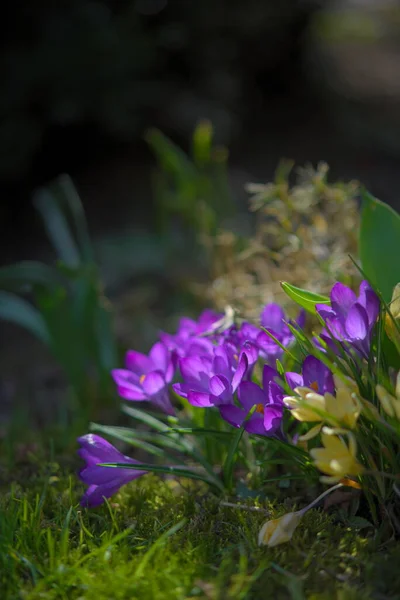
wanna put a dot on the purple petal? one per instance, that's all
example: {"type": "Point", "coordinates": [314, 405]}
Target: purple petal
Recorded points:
{"type": "Point", "coordinates": [294, 380]}
{"type": "Point", "coordinates": [336, 328]}
{"type": "Point", "coordinates": [311, 369]}
{"type": "Point", "coordinates": [250, 394]}
{"type": "Point", "coordinates": [196, 369]}
{"type": "Point", "coordinates": [272, 317]}
{"type": "Point", "coordinates": [251, 352]}
{"type": "Point", "coordinates": [153, 383]}
{"type": "Point", "coordinates": [240, 372]}
{"type": "Point", "coordinates": [138, 363]}
{"type": "Point", "coordinates": [357, 323]}
{"type": "Point", "coordinates": [274, 393]}
{"type": "Point", "coordinates": [162, 400]}
{"type": "Point", "coordinates": [128, 384]}
{"type": "Point", "coordinates": [317, 376]}
{"type": "Point", "coordinates": [249, 332]}
{"type": "Point", "coordinates": [342, 298]}
{"type": "Point", "coordinates": [221, 388]}
{"type": "Point", "coordinates": [272, 418]}
{"type": "Point", "coordinates": [160, 357]}
{"type": "Point", "coordinates": [232, 414]}
{"type": "Point", "coordinates": [372, 307]}
{"type": "Point", "coordinates": [301, 319]}
{"type": "Point", "coordinates": [96, 475]}
{"type": "Point", "coordinates": [269, 375]}
{"type": "Point", "coordinates": [200, 399]}
{"type": "Point", "coordinates": [182, 389]}
{"type": "Point", "coordinates": [99, 448]}
{"type": "Point", "coordinates": [187, 326]}
{"type": "Point", "coordinates": [199, 346]}
{"type": "Point", "coordinates": [256, 424]}
{"type": "Point", "coordinates": [206, 320]}
{"type": "Point", "coordinates": [325, 311]}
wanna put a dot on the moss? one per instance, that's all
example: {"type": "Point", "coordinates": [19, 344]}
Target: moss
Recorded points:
{"type": "Point", "coordinates": [163, 539]}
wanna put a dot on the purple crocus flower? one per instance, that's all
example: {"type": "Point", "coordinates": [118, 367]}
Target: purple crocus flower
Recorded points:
{"type": "Point", "coordinates": [188, 340]}
{"type": "Point", "coordinates": [147, 377]}
{"type": "Point", "coordinates": [315, 375]}
{"type": "Point", "coordinates": [274, 320]}
{"type": "Point", "coordinates": [212, 380]}
{"type": "Point", "coordinates": [350, 319]}
{"type": "Point", "coordinates": [267, 418]}
{"type": "Point", "coordinates": [103, 482]}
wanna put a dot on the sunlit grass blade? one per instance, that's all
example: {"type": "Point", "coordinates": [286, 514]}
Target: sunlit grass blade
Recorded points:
{"type": "Point", "coordinates": [157, 545]}
{"type": "Point", "coordinates": [168, 470]}
{"type": "Point", "coordinates": [304, 298]}
{"type": "Point", "coordinates": [281, 346]}
{"type": "Point", "coordinates": [134, 437]}
{"type": "Point", "coordinates": [233, 447]}
{"type": "Point", "coordinates": [144, 417]}
{"type": "Point", "coordinates": [197, 431]}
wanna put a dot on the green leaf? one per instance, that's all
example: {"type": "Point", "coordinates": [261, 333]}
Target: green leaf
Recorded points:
{"type": "Point", "coordinates": [172, 159]}
{"type": "Point", "coordinates": [169, 470]}
{"type": "Point", "coordinates": [379, 244]}
{"type": "Point", "coordinates": [19, 311]}
{"type": "Point", "coordinates": [66, 187]}
{"type": "Point", "coordinates": [230, 459]}
{"type": "Point", "coordinates": [57, 227]}
{"type": "Point", "coordinates": [144, 417]}
{"type": "Point", "coordinates": [27, 273]}
{"type": "Point", "coordinates": [303, 298]}
{"type": "Point", "coordinates": [131, 436]}
{"type": "Point", "coordinates": [202, 142]}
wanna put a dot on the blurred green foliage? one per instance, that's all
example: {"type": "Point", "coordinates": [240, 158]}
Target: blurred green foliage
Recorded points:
{"type": "Point", "coordinates": [192, 186]}
{"type": "Point", "coordinates": [64, 305]}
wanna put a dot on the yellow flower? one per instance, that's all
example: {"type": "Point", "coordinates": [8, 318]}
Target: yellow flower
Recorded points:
{"type": "Point", "coordinates": [343, 410]}
{"type": "Point", "coordinates": [279, 531]}
{"type": "Point", "coordinates": [389, 403]}
{"type": "Point", "coordinates": [336, 459]}
{"type": "Point", "coordinates": [308, 406]}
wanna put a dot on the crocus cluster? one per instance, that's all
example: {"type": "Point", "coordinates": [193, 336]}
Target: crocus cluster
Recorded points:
{"type": "Point", "coordinates": [210, 363]}
{"type": "Point", "coordinates": [349, 319]}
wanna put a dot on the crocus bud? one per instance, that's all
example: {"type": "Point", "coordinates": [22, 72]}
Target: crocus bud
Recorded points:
{"type": "Point", "coordinates": [279, 531]}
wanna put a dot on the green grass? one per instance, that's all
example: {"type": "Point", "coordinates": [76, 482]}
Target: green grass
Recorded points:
{"type": "Point", "coordinates": [166, 539]}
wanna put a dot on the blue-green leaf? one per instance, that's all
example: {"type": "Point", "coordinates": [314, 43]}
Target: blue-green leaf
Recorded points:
{"type": "Point", "coordinates": [57, 227]}
{"type": "Point", "coordinates": [27, 273]}
{"type": "Point", "coordinates": [19, 311]}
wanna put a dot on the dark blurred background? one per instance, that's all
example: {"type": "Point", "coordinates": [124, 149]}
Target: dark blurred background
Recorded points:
{"type": "Point", "coordinates": [83, 80]}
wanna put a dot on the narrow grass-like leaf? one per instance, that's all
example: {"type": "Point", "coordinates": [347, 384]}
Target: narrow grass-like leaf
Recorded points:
{"type": "Point", "coordinates": [197, 431]}
{"type": "Point", "coordinates": [157, 545]}
{"type": "Point", "coordinates": [66, 186]}
{"type": "Point", "coordinates": [229, 461]}
{"type": "Point", "coordinates": [140, 415]}
{"type": "Point", "coordinates": [25, 274]}
{"type": "Point", "coordinates": [130, 436]}
{"type": "Point", "coordinates": [281, 346]}
{"type": "Point", "coordinates": [304, 298]}
{"type": "Point", "coordinates": [169, 470]}
{"type": "Point", "coordinates": [16, 310]}
{"type": "Point", "coordinates": [57, 228]}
